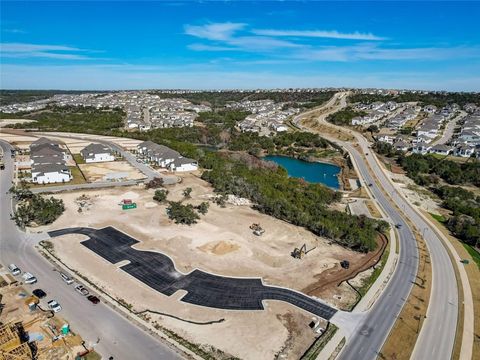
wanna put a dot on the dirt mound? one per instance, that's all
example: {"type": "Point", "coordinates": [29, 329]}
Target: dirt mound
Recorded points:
{"type": "Point", "coordinates": [219, 247]}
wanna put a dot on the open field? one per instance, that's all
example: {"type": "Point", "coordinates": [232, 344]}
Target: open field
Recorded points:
{"type": "Point", "coordinates": [221, 243]}
{"type": "Point", "coordinates": [97, 171]}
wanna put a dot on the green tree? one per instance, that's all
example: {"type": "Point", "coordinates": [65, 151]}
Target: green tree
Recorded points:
{"type": "Point", "coordinates": [203, 207]}
{"type": "Point", "coordinates": [187, 193]}
{"type": "Point", "coordinates": [160, 195]}
{"type": "Point", "coordinates": [182, 214]}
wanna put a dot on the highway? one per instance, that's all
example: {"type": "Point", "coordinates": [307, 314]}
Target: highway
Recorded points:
{"type": "Point", "coordinates": [437, 335]}
{"type": "Point", "coordinates": [108, 331]}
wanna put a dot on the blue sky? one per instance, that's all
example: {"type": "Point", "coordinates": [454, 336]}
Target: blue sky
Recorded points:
{"type": "Point", "coordinates": [228, 44]}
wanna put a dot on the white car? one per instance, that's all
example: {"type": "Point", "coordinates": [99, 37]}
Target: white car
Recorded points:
{"type": "Point", "coordinates": [82, 290]}
{"type": "Point", "coordinates": [29, 278]}
{"type": "Point", "coordinates": [54, 305]}
{"type": "Point", "coordinates": [66, 278]}
{"type": "Point", "coordinates": [14, 269]}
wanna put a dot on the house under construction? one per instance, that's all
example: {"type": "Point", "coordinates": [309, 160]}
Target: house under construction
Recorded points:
{"type": "Point", "coordinates": [12, 344]}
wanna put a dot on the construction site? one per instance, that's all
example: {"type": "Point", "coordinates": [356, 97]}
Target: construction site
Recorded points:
{"type": "Point", "coordinates": [28, 331]}
{"type": "Point", "coordinates": [229, 240]}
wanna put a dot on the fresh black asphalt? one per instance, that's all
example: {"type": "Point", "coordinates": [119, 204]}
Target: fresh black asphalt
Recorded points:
{"type": "Point", "coordinates": [158, 272]}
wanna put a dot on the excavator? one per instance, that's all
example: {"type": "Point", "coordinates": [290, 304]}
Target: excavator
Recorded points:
{"type": "Point", "coordinates": [299, 253]}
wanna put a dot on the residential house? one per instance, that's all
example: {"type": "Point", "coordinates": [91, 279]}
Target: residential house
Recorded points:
{"type": "Point", "coordinates": [165, 157]}
{"type": "Point", "coordinates": [464, 151]}
{"type": "Point", "coordinates": [49, 162]}
{"type": "Point", "coordinates": [420, 148]}
{"type": "Point", "coordinates": [441, 149]}
{"type": "Point", "coordinates": [97, 153]}
{"type": "Point", "coordinates": [50, 173]}
{"type": "Point", "coordinates": [401, 145]}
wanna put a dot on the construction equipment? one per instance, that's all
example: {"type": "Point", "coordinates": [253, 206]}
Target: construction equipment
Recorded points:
{"type": "Point", "coordinates": [255, 226]}
{"type": "Point", "coordinates": [299, 253]}
{"type": "Point", "coordinates": [257, 229]}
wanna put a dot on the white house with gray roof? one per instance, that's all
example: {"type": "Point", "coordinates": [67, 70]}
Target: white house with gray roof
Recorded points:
{"type": "Point", "coordinates": [165, 157]}
{"type": "Point", "coordinates": [94, 153]}
{"type": "Point", "coordinates": [48, 161]}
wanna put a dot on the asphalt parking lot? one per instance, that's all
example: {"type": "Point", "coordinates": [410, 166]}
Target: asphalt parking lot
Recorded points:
{"type": "Point", "coordinates": [205, 289]}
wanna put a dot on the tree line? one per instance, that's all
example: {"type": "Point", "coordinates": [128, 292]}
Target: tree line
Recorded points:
{"type": "Point", "coordinates": [275, 193]}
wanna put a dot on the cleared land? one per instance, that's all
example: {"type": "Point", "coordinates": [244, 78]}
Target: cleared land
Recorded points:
{"type": "Point", "coordinates": [98, 171]}
{"type": "Point", "coordinates": [221, 242]}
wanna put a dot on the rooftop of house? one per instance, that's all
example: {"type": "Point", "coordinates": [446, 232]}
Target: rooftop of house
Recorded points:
{"type": "Point", "coordinates": [95, 149]}
{"type": "Point", "coordinates": [44, 140]}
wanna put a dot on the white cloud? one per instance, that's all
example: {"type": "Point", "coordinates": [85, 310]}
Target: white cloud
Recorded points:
{"type": "Point", "coordinates": [214, 31]}
{"type": "Point", "coordinates": [205, 47]}
{"type": "Point", "coordinates": [226, 35]}
{"type": "Point", "coordinates": [23, 50]}
{"type": "Point", "coordinates": [373, 52]}
{"type": "Point", "coordinates": [318, 34]}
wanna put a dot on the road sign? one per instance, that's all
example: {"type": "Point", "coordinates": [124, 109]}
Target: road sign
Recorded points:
{"type": "Point", "coordinates": [129, 206]}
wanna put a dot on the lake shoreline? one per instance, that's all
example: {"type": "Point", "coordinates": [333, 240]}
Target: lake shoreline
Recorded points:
{"type": "Point", "coordinates": [289, 164]}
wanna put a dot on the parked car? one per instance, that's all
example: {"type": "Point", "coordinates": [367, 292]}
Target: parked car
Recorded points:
{"type": "Point", "coordinates": [66, 278]}
{"type": "Point", "coordinates": [14, 269]}
{"type": "Point", "coordinates": [93, 299]}
{"type": "Point", "coordinates": [39, 293]}
{"type": "Point", "coordinates": [29, 278]}
{"type": "Point", "coordinates": [54, 305]}
{"type": "Point", "coordinates": [82, 290]}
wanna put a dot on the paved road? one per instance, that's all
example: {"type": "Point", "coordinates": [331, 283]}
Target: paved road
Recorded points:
{"type": "Point", "coordinates": [438, 332]}
{"type": "Point", "coordinates": [118, 336]}
{"type": "Point", "coordinates": [95, 185]}
{"type": "Point", "coordinates": [205, 289]}
{"type": "Point", "coordinates": [448, 132]}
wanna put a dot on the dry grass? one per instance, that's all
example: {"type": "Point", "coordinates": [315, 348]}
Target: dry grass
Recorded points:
{"type": "Point", "coordinates": [373, 209]}
{"type": "Point", "coordinates": [403, 336]}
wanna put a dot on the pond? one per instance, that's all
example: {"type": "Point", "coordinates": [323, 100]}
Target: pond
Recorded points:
{"type": "Point", "coordinates": [314, 172]}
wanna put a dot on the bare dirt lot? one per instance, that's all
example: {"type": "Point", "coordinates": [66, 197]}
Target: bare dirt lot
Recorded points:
{"type": "Point", "coordinates": [97, 171]}
{"type": "Point", "coordinates": [221, 242]}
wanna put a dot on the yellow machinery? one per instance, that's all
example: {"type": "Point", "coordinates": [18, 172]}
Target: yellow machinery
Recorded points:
{"type": "Point", "coordinates": [299, 253]}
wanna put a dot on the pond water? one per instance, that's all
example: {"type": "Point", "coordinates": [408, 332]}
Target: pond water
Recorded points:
{"type": "Point", "coordinates": [314, 172]}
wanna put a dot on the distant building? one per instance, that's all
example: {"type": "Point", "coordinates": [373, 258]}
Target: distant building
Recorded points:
{"type": "Point", "coordinates": [97, 153]}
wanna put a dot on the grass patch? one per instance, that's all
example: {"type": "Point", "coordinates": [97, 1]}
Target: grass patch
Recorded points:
{"type": "Point", "coordinates": [367, 284]}
{"type": "Point", "coordinates": [77, 175]}
{"type": "Point", "coordinates": [320, 343]}
{"type": "Point", "coordinates": [473, 253]}
{"type": "Point", "coordinates": [440, 218]}
{"type": "Point", "coordinates": [78, 158]}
